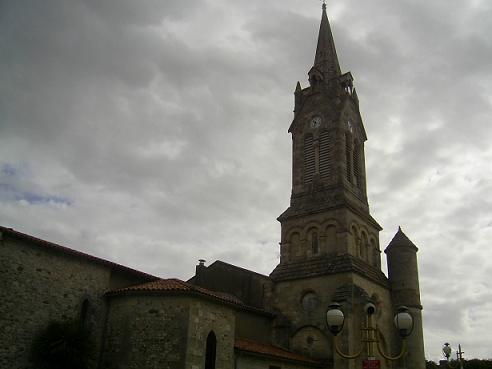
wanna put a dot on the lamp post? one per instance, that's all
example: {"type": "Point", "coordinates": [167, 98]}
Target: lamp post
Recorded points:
{"type": "Point", "coordinates": [403, 322]}
{"type": "Point", "coordinates": [446, 349]}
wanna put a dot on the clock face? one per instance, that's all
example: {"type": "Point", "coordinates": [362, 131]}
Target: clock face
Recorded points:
{"type": "Point", "coordinates": [315, 122]}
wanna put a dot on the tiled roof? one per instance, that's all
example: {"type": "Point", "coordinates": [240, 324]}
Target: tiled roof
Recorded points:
{"type": "Point", "coordinates": [174, 285]}
{"type": "Point", "coordinates": [68, 251]}
{"type": "Point", "coordinates": [328, 265]}
{"type": "Point", "coordinates": [272, 351]}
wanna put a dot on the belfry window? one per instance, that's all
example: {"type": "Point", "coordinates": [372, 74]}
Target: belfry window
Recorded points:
{"type": "Point", "coordinates": [325, 155]}
{"type": "Point", "coordinates": [211, 351]}
{"type": "Point", "coordinates": [356, 161]}
{"type": "Point", "coordinates": [309, 159]}
{"type": "Point", "coordinates": [348, 156]}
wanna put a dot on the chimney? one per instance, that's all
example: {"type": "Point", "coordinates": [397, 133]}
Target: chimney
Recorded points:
{"type": "Point", "coordinates": [200, 272]}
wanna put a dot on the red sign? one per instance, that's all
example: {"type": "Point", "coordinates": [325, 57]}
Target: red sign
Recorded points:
{"type": "Point", "coordinates": [371, 364]}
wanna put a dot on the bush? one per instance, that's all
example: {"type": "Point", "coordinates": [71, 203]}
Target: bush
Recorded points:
{"type": "Point", "coordinates": [62, 345]}
{"type": "Point", "coordinates": [429, 364]}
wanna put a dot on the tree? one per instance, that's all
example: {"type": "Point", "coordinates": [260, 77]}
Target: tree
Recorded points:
{"type": "Point", "coordinates": [467, 364]}
{"type": "Point", "coordinates": [429, 364]}
{"type": "Point", "coordinates": [477, 364]}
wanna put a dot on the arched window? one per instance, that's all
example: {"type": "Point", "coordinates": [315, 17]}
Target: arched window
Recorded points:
{"type": "Point", "coordinates": [309, 161]}
{"type": "Point", "coordinates": [331, 238]}
{"type": "Point", "coordinates": [314, 243]}
{"type": "Point", "coordinates": [356, 240]}
{"type": "Point", "coordinates": [84, 311]}
{"type": "Point", "coordinates": [309, 302]}
{"type": "Point", "coordinates": [211, 351]}
{"type": "Point", "coordinates": [364, 247]}
{"type": "Point", "coordinates": [376, 257]}
{"type": "Point", "coordinates": [295, 246]}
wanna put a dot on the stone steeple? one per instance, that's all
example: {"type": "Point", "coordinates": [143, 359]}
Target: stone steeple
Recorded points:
{"type": "Point", "coordinates": [326, 64]}
{"type": "Point", "coordinates": [329, 247]}
{"type": "Point", "coordinates": [328, 216]}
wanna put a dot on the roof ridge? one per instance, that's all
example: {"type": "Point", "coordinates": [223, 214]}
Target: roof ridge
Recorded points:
{"type": "Point", "coordinates": [164, 285]}
{"type": "Point", "coordinates": [269, 349]}
{"type": "Point", "coordinates": [237, 267]}
{"type": "Point", "coordinates": [73, 252]}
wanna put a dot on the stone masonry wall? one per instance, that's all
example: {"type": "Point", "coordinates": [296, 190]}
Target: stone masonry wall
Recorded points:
{"type": "Point", "coordinates": [37, 286]}
{"type": "Point", "coordinates": [305, 302]}
{"type": "Point", "coordinates": [146, 332]}
{"type": "Point", "coordinates": [205, 317]}
{"type": "Point", "coordinates": [253, 326]}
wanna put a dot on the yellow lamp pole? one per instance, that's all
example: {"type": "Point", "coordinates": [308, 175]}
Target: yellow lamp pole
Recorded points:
{"type": "Point", "coordinates": [403, 322]}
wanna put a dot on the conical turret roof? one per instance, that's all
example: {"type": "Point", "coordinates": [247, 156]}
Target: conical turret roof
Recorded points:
{"type": "Point", "coordinates": [326, 59]}
{"type": "Point", "coordinates": [400, 240]}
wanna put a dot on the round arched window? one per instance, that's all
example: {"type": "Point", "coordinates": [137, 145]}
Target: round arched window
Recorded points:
{"type": "Point", "coordinates": [310, 302]}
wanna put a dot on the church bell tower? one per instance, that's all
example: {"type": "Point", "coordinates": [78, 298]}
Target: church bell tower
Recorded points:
{"type": "Point", "coordinates": [329, 248]}
{"type": "Point", "coordinates": [328, 172]}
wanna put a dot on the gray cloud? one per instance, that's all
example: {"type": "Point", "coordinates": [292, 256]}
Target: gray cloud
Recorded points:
{"type": "Point", "coordinates": [154, 134]}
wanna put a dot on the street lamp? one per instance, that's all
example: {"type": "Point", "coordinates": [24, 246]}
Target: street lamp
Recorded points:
{"type": "Point", "coordinates": [446, 349]}
{"type": "Point", "coordinates": [403, 322]}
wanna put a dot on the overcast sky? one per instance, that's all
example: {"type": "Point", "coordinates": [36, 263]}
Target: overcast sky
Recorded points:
{"type": "Point", "coordinates": [154, 133]}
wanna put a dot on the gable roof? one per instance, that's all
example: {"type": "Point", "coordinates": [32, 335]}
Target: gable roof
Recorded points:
{"type": "Point", "coordinates": [177, 286]}
{"type": "Point", "coordinates": [220, 263]}
{"type": "Point", "coordinates": [10, 232]}
{"type": "Point", "coordinates": [278, 353]}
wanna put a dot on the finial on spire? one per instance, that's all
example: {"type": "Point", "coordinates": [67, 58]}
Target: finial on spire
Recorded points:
{"type": "Point", "coordinates": [324, 5]}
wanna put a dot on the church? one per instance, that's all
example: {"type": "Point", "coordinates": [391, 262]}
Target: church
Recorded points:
{"type": "Point", "coordinates": [227, 317]}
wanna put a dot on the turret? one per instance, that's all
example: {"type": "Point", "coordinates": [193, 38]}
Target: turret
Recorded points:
{"type": "Point", "coordinates": [404, 281]}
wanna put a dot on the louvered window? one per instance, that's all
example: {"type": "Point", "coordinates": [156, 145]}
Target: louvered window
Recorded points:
{"type": "Point", "coordinates": [309, 162]}
{"type": "Point", "coordinates": [326, 155]}
{"type": "Point", "coordinates": [348, 156]}
{"type": "Point", "coordinates": [357, 163]}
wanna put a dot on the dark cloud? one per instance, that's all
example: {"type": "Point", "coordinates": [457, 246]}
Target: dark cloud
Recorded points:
{"type": "Point", "coordinates": [155, 133]}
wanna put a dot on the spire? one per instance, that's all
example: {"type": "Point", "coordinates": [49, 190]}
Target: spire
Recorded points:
{"type": "Point", "coordinates": [400, 240]}
{"type": "Point", "coordinates": [326, 64]}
